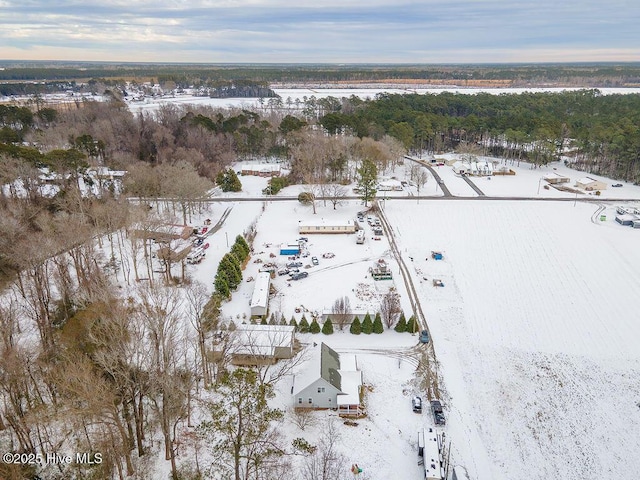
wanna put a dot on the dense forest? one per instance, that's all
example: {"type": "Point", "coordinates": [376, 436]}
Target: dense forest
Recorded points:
{"type": "Point", "coordinates": [600, 132]}
{"type": "Point", "coordinates": [584, 74]}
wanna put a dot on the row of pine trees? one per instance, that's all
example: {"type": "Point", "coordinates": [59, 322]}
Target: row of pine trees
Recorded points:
{"type": "Point", "coordinates": [366, 326]}
{"type": "Point", "coordinates": [229, 274]}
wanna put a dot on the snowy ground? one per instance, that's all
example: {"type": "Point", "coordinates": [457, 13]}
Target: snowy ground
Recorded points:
{"type": "Point", "coordinates": [536, 334]}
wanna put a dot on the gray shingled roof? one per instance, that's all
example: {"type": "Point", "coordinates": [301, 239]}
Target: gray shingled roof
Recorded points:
{"type": "Point", "coordinates": [329, 366]}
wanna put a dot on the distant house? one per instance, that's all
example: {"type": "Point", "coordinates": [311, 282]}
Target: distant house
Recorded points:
{"type": "Point", "coordinates": [260, 297]}
{"type": "Point", "coordinates": [261, 169]}
{"type": "Point", "coordinates": [261, 344]}
{"type": "Point", "coordinates": [175, 252]}
{"type": "Point", "coordinates": [555, 178]}
{"type": "Point", "coordinates": [162, 232]}
{"type": "Point", "coordinates": [329, 381]}
{"type": "Point", "coordinates": [461, 168]}
{"type": "Point", "coordinates": [590, 184]}
{"type": "Point", "coordinates": [327, 226]}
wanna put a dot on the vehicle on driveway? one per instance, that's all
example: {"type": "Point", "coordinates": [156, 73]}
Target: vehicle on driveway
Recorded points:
{"type": "Point", "coordinates": [416, 404]}
{"type": "Point", "coordinates": [616, 185]}
{"type": "Point", "coordinates": [294, 264]}
{"type": "Point", "coordinates": [437, 412]}
{"type": "Point", "coordinates": [424, 336]}
{"type": "Point", "coordinates": [299, 275]}
{"type": "Point", "coordinates": [283, 271]}
{"type": "Point", "coordinates": [314, 260]}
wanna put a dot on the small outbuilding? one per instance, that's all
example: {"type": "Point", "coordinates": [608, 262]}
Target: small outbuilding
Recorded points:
{"type": "Point", "coordinates": [290, 249]}
{"type": "Point", "coordinates": [253, 345]}
{"type": "Point", "coordinates": [326, 226]}
{"type": "Point", "coordinates": [260, 297]}
{"type": "Point", "coordinates": [554, 178]}
{"type": "Point", "coordinates": [626, 219]}
{"type": "Point", "coordinates": [589, 184]}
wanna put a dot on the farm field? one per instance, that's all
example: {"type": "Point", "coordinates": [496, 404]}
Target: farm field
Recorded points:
{"type": "Point", "coordinates": [536, 334]}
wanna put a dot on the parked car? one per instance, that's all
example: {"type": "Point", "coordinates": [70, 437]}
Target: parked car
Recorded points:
{"type": "Point", "coordinates": [314, 260]}
{"type": "Point", "coordinates": [294, 264]}
{"type": "Point", "coordinates": [416, 403]}
{"type": "Point", "coordinates": [437, 412]}
{"type": "Point", "coordinates": [328, 255]}
{"type": "Point", "coordinates": [424, 336]}
{"type": "Point", "coordinates": [299, 275]}
{"type": "Point", "coordinates": [283, 271]}
{"type": "Point", "coordinates": [616, 185]}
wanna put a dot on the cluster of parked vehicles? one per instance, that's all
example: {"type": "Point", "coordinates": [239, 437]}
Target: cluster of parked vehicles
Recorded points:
{"type": "Point", "coordinates": [436, 410]}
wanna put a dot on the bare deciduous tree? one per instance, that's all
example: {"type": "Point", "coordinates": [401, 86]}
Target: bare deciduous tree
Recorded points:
{"type": "Point", "coordinates": [390, 307]}
{"type": "Point", "coordinates": [326, 463]}
{"type": "Point", "coordinates": [336, 193]}
{"type": "Point", "coordinates": [341, 312]}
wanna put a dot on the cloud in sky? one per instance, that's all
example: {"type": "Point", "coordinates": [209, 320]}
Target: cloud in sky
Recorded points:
{"type": "Point", "coordinates": [375, 31]}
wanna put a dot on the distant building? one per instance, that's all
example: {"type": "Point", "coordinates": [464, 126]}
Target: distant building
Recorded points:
{"type": "Point", "coordinates": [329, 381]}
{"type": "Point", "coordinates": [555, 178]}
{"type": "Point", "coordinates": [162, 232]}
{"type": "Point", "coordinates": [261, 169]}
{"type": "Point", "coordinates": [261, 344]}
{"type": "Point", "coordinates": [290, 249]}
{"type": "Point", "coordinates": [260, 297]}
{"type": "Point", "coordinates": [327, 226]}
{"type": "Point", "coordinates": [590, 184]}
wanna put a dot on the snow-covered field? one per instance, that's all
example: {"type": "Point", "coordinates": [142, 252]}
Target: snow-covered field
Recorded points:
{"type": "Point", "coordinates": [290, 95]}
{"type": "Point", "coordinates": [536, 332]}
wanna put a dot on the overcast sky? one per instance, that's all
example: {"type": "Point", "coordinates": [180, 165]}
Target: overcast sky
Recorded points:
{"type": "Point", "coordinates": [309, 31]}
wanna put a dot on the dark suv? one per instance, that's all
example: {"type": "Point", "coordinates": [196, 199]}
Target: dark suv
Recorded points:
{"type": "Point", "coordinates": [299, 275]}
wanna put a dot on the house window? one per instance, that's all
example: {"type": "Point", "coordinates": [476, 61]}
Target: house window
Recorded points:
{"type": "Point", "coordinates": [311, 400]}
{"type": "Point", "coordinates": [299, 399]}
{"type": "Point", "coordinates": [320, 389]}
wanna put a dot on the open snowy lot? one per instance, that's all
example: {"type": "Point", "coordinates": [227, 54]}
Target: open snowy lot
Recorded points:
{"type": "Point", "coordinates": [536, 331]}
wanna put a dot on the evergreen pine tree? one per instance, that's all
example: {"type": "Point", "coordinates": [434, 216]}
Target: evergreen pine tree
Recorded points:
{"type": "Point", "coordinates": [412, 325]}
{"type": "Point", "coordinates": [355, 326]}
{"type": "Point", "coordinates": [264, 321]}
{"type": "Point", "coordinates": [272, 319]}
{"type": "Point", "coordinates": [377, 324]}
{"type": "Point", "coordinates": [293, 323]}
{"type": "Point", "coordinates": [221, 285]}
{"type": "Point", "coordinates": [401, 326]}
{"type": "Point", "coordinates": [327, 327]}
{"type": "Point", "coordinates": [367, 324]}
{"type": "Point", "coordinates": [283, 321]}
{"type": "Point", "coordinates": [303, 326]}
{"type": "Point", "coordinates": [314, 327]}
{"type": "Point", "coordinates": [240, 240]}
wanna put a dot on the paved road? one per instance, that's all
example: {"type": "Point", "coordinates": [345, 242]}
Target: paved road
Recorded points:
{"type": "Point", "coordinates": [472, 185]}
{"type": "Point", "coordinates": [439, 180]}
